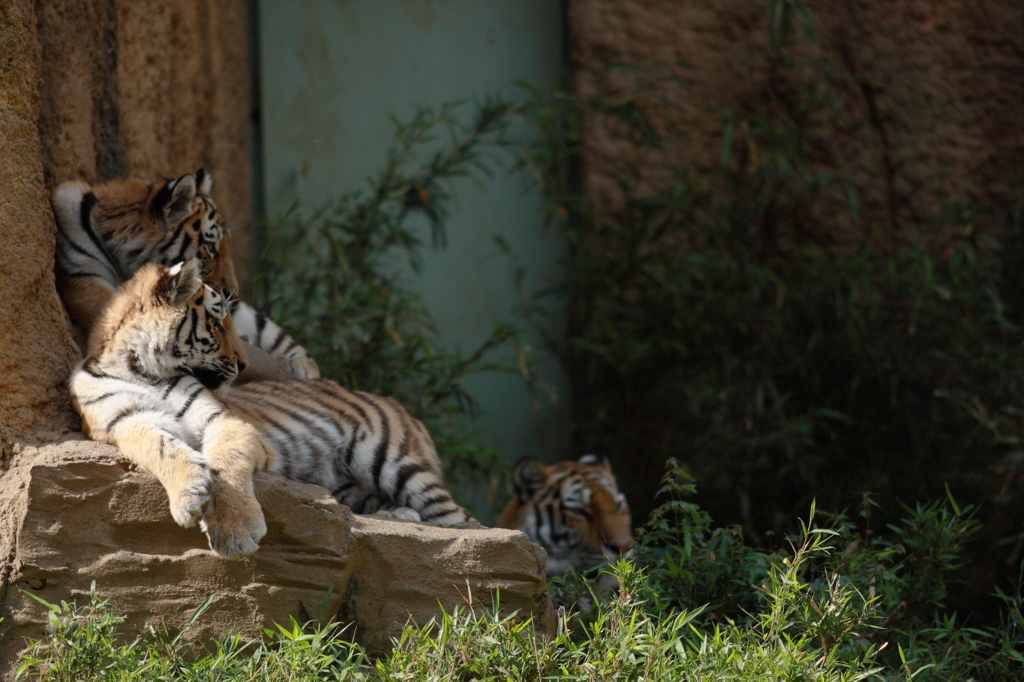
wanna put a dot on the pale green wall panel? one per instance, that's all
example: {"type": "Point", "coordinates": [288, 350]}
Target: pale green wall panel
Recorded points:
{"type": "Point", "coordinates": [332, 73]}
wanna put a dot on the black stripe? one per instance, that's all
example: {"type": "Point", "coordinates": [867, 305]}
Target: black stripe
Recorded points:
{"type": "Point", "coordinates": [312, 429]}
{"type": "Point", "coordinates": [313, 391]}
{"type": "Point", "coordinates": [85, 215]}
{"type": "Point", "coordinates": [344, 487]}
{"type": "Point", "coordinates": [92, 401]}
{"type": "Point", "coordinates": [73, 244]}
{"type": "Point", "coordinates": [83, 274]}
{"type": "Point", "coordinates": [261, 322]}
{"type": "Point", "coordinates": [168, 243]}
{"type": "Point", "coordinates": [537, 525]}
{"type": "Point", "coordinates": [381, 453]}
{"type": "Point", "coordinates": [432, 486]}
{"type": "Point", "coordinates": [90, 369]}
{"type": "Point", "coordinates": [284, 453]}
{"type": "Point", "coordinates": [556, 537]}
{"type": "Point", "coordinates": [122, 415]}
{"type": "Point", "coordinates": [213, 416]}
{"type": "Point", "coordinates": [188, 403]}
{"type": "Point", "coordinates": [350, 451]}
{"type": "Point", "coordinates": [170, 386]}
{"type": "Point", "coordinates": [209, 421]}
{"type": "Point", "coordinates": [340, 394]}
{"type": "Point", "coordinates": [285, 408]}
{"type": "Point", "coordinates": [403, 476]}
{"type": "Point", "coordinates": [184, 245]}
{"type": "Point", "coordinates": [437, 499]}
{"type": "Point", "coordinates": [281, 335]}
{"type": "Point", "coordinates": [443, 512]}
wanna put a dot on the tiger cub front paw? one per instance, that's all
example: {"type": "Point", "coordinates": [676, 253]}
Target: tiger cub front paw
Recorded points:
{"type": "Point", "coordinates": [303, 369]}
{"type": "Point", "coordinates": [233, 522]}
{"type": "Point", "coordinates": [189, 493]}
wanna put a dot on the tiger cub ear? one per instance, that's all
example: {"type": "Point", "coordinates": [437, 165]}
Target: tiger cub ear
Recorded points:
{"type": "Point", "coordinates": [174, 200]}
{"type": "Point", "coordinates": [204, 182]}
{"type": "Point", "coordinates": [595, 460]}
{"type": "Point", "coordinates": [528, 478]}
{"type": "Point", "coordinates": [179, 282]}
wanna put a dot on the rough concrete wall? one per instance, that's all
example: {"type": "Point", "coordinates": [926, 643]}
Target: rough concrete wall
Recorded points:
{"type": "Point", "coordinates": [932, 91]}
{"type": "Point", "coordinates": [96, 89]}
{"type": "Point", "coordinates": [149, 88]}
{"type": "Point", "coordinates": [37, 351]}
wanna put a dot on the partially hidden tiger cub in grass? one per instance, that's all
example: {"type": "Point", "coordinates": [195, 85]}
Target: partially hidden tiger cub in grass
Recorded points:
{"type": "Point", "coordinates": [154, 383]}
{"type": "Point", "coordinates": [107, 232]}
{"type": "Point", "coordinates": [574, 510]}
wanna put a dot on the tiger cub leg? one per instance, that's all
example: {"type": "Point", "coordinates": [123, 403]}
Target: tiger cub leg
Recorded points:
{"type": "Point", "coordinates": [233, 520]}
{"type": "Point", "coordinates": [180, 469]}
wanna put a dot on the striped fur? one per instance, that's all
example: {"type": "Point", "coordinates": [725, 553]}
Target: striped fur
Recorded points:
{"type": "Point", "coordinates": [365, 449]}
{"type": "Point", "coordinates": [155, 381]}
{"type": "Point", "coordinates": [574, 510]}
{"type": "Point", "coordinates": [106, 233]}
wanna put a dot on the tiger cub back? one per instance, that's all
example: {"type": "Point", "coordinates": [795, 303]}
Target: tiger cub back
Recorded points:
{"type": "Point", "coordinates": [366, 449]}
{"type": "Point", "coordinates": [574, 510]}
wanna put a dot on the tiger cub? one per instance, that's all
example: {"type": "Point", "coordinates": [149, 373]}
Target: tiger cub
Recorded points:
{"type": "Point", "coordinates": [574, 510]}
{"type": "Point", "coordinates": [106, 233]}
{"type": "Point", "coordinates": [154, 383]}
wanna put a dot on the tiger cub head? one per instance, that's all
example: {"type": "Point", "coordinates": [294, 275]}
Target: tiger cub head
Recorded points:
{"type": "Point", "coordinates": [165, 322]}
{"type": "Point", "coordinates": [164, 221]}
{"type": "Point", "coordinates": [574, 510]}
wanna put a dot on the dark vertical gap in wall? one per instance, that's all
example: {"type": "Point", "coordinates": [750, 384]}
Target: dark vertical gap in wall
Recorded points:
{"type": "Point", "coordinates": [259, 206]}
{"type": "Point", "coordinates": [106, 127]}
{"type": "Point", "coordinates": [574, 183]}
{"type": "Point", "coordinates": [566, 38]}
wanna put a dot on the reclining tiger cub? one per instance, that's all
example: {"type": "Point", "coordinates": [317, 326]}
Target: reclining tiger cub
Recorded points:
{"type": "Point", "coordinates": [106, 233]}
{"type": "Point", "coordinates": [574, 510]}
{"type": "Point", "coordinates": [154, 383]}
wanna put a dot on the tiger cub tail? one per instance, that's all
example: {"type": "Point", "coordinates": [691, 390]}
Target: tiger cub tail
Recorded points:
{"type": "Point", "coordinates": [259, 330]}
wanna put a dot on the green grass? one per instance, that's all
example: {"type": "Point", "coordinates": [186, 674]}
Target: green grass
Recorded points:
{"type": "Point", "coordinates": [834, 604]}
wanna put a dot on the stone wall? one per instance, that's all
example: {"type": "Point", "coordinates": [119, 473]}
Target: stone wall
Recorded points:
{"type": "Point", "coordinates": [931, 92]}
{"type": "Point", "coordinates": [96, 89]}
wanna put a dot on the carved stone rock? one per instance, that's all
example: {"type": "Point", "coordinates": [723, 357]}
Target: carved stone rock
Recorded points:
{"type": "Point", "coordinates": [77, 512]}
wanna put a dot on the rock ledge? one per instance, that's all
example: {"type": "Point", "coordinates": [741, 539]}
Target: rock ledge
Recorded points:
{"type": "Point", "coordinates": [77, 512]}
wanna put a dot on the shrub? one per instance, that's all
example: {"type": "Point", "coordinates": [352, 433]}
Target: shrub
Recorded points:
{"type": "Point", "coordinates": [751, 321]}
{"type": "Point", "coordinates": [331, 276]}
{"type": "Point", "coordinates": [832, 604]}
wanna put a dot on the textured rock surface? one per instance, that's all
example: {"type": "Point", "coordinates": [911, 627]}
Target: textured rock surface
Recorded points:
{"type": "Point", "coordinates": [76, 512]}
{"type": "Point", "coordinates": [930, 92]}
{"type": "Point", "coordinates": [96, 89]}
{"type": "Point", "coordinates": [148, 88]}
{"type": "Point", "coordinates": [37, 349]}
